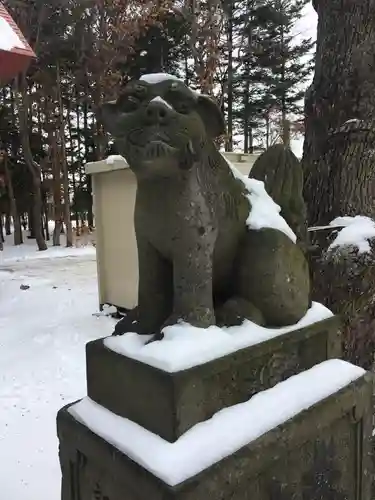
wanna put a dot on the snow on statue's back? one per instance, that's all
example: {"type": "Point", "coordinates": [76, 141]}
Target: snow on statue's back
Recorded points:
{"type": "Point", "coordinates": [264, 212]}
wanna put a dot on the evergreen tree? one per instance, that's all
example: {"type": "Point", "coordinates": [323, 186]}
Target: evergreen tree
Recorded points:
{"type": "Point", "coordinates": [249, 81]}
{"type": "Point", "coordinates": [283, 61]}
{"type": "Point", "coordinates": [241, 51]}
{"type": "Point", "coordinates": [269, 69]}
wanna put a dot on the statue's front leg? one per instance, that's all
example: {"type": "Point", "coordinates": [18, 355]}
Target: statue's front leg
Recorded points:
{"type": "Point", "coordinates": [154, 293]}
{"type": "Point", "coordinates": [192, 284]}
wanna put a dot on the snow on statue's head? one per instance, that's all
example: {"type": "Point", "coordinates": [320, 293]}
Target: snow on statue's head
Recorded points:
{"type": "Point", "coordinates": [161, 126]}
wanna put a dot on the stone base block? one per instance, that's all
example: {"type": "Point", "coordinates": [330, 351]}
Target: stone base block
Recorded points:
{"type": "Point", "coordinates": [168, 404]}
{"type": "Point", "coordinates": [322, 453]}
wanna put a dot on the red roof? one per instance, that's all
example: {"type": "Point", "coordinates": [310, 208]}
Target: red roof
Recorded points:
{"type": "Point", "coordinates": [12, 59]}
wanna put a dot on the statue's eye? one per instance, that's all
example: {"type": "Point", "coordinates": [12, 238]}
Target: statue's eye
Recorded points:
{"type": "Point", "coordinates": [128, 103]}
{"type": "Point", "coordinates": [140, 91]}
{"type": "Point", "coordinates": [183, 107]}
{"type": "Point", "coordinates": [180, 101]}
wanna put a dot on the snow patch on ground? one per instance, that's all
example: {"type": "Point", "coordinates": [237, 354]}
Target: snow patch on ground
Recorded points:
{"type": "Point", "coordinates": [8, 37]}
{"type": "Point", "coordinates": [29, 251]}
{"type": "Point", "coordinates": [226, 432]}
{"type": "Point", "coordinates": [185, 346]}
{"type": "Point", "coordinates": [264, 213]}
{"type": "Point", "coordinates": [356, 232]}
{"type": "Point", "coordinates": [43, 332]}
{"type": "Point", "coordinates": [21, 253]}
{"type": "Point", "coordinates": [108, 310]}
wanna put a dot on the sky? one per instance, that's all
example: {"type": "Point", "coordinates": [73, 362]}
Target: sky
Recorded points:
{"type": "Point", "coordinates": [306, 27]}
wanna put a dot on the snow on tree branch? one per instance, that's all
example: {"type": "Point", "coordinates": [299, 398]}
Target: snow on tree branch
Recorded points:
{"type": "Point", "coordinates": [357, 232]}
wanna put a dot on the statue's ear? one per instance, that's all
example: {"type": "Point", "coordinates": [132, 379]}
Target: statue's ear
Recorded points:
{"type": "Point", "coordinates": [211, 115]}
{"type": "Point", "coordinates": [108, 112]}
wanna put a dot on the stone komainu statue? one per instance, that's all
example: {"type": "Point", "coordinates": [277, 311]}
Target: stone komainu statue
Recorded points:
{"type": "Point", "coordinates": [198, 260]}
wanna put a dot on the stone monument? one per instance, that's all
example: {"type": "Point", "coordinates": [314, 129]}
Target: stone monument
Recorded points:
{"type": "Point", "coordinates": [224, 382]}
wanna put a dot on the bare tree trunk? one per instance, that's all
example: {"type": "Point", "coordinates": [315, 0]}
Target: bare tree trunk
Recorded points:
{"type": "Point", "coordinates": [339, 157]}
{"type": "Point", "coordinates": [13, 204]}
{"type": "Point", "coordinates": [268, 130]}
{"type": "Point", "coordinates": [90, 215]}
{"type": "Point", "coordinates": [30, 222]}
{"type": "Point", "coordinates": [285, 123]}
{"type": "Point", "coordinates": [285, 130]}
{"type": "Point", "coordinates": [31, 164]}
{"type": "Point", "coordinates": [205, 23]}
{"type": "Point", "coordinates": [229, 142]}
{"type": "Point", "coordinates": [46, 226]}
{"type": "Point", "coordinates": [251, 140]}
{"type": "Point", "coordinates": [246, 117]}
{"type": "Point", "coordinates": [72, 158]}
{"type": "Point", "coordinates": [56, 191]}
{"type": "Point", "coordinates": [339, 162]}
{"type": "Point", "coordinates": [8, 230]}
{"type": "Point", "coordinates": [68, 222]}
{"type": "Point", "coordinates": [186, 61]}
{"type": "Point", "coordinates": [45, 212]}
{"type": "Point", "coordinates": [67, 219]}
{"type": "Point", "coordinates": [2, 239]}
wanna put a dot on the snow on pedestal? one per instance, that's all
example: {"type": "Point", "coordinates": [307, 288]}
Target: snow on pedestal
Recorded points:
{"type": "Point", "coordinates": [225, 433]}
{"type": "Point", "coordinates": [185, 346]}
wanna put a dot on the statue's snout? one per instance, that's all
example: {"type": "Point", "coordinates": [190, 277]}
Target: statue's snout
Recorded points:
{"type": "Point", "coordinates": [158, 112]}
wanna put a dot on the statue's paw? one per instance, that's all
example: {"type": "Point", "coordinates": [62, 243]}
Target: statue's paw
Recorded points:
{"type": "Point", "coordinates": [129, 323]}
{"type": "Point", "coordinates": [157, 337]}
{"type": "Point", "coordinates": [203, 318]}
{"type": "Point", "coordinates": [235, 310]}
{"type": "Point", "coordinates": [172, 320]}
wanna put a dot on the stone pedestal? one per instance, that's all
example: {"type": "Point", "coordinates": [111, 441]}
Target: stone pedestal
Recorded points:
{"type": "Point", "coordinates": [169, 404]}
{"type": "Point", "coordinates": [321, 453]}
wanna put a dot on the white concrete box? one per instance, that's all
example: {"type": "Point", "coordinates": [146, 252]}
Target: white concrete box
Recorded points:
{"type": "Point", "coordinates": [114, 188]}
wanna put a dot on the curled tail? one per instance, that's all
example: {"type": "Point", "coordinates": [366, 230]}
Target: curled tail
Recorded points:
{"type": "Point", "coordinates": [282, 174]}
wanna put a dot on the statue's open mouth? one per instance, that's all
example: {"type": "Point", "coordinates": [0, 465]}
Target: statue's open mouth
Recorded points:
{"type": "Point", "coordinates": [157, 149]}
{"type": "Point", "coordinates": [141, 137]}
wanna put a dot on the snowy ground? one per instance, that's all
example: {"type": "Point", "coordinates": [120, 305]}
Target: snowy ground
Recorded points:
{"type": "Point", "coordinates": [43, 331]}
